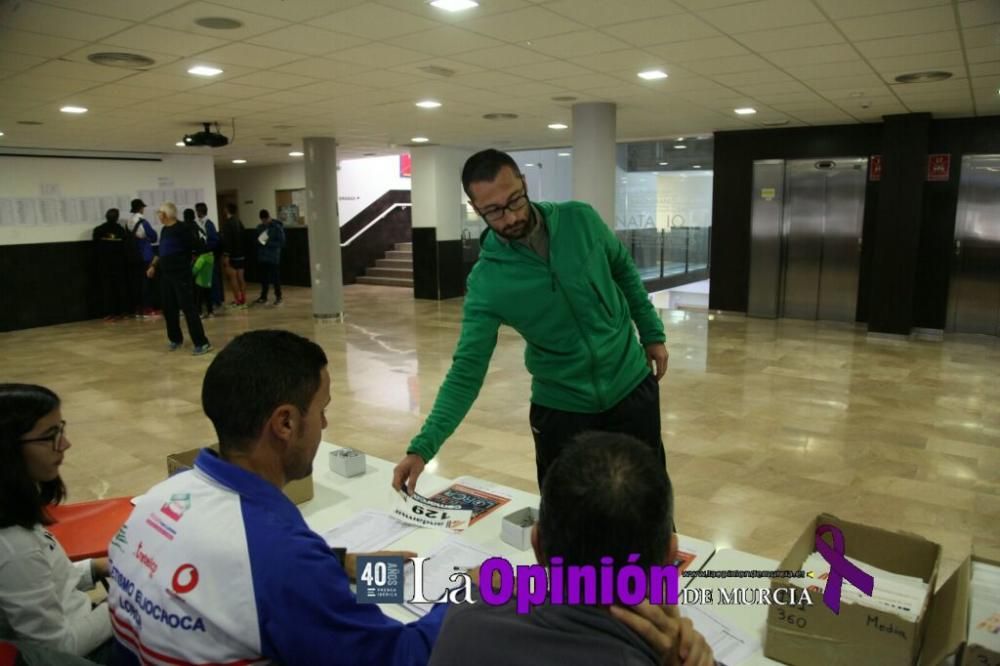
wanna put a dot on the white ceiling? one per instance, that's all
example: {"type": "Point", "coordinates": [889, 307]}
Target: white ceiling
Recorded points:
{"type": "Point", "coordinates": [351, 68]}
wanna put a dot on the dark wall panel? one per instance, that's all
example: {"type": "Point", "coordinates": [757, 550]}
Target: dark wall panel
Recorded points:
{"type": "Point", "coordinates": [425, 260]}
{"type": "Point", "coordinates": [46, 284]}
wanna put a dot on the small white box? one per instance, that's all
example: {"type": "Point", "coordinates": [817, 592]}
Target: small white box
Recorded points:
{"type": "Point", "coordinates": [347, 462]}
{"type": "Point", "coordinates": [516, 527]}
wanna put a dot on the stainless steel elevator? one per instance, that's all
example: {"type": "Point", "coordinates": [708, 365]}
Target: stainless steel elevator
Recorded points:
{"type": "Point", "coordinates": [974, 298]}
{"type": "Point", "coordinates": [806, 238]}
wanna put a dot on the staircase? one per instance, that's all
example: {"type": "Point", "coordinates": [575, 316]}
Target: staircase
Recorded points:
{"type": "Point", "coordinates": [395, 270]}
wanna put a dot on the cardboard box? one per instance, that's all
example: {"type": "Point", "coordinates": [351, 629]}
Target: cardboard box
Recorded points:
{"type": "Point", "coordinates": [952, 615]}
{"type": "Point", "coordinates": [858, 636]}
{"type": "Point", "coordinates": [298, 491]}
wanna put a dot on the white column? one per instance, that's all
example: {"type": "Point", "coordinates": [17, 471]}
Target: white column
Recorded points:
{"type": "Point", "coordinates": [324, 227]}
{"type": "Point", "coordinates": [594, 157]}
{"type": "Point", "coordinates": [436, 189]}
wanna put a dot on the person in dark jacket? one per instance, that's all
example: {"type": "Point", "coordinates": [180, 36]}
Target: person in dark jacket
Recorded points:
{"type": "Point", "coordinates": [605, 496]}
{"type": "Point", "coordinates": [270, 239]}
{"type": "Point", "coordinates": [213, 241]}
{"type": "Point", "coordinates": [139, 248]}
{"type": "Point", "coordinates": [112, 269]}
{"type": "Point", "coordinates": [233, 256]}
{"type": "Point", "coordinates": [179, 241]}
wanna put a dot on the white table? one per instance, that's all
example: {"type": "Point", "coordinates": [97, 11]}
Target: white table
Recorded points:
{"type": "Point", "coordinates": [337, 498]}
{"type": "Point", "coordinates": [751, 619]}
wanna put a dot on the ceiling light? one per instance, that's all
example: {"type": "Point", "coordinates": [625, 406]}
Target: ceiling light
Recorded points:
{"type": "Point", "coordinates": [529, 164]}
{"type": "Point", "coordinates": [680, 139]}
{"type": "Point", "coordinates": [680, 146]}
{"type": "Point", "coordinates": [664, 163]}
{"type": "Point", "coordinates": [560, 154]}
{"type": "Point", "coordinates": [204, 70]}
{"type": "Point", "coordinates": [745, 111]}
{"type": "Point", "coordinates": [454, 5]}
{"type": "Point", "coordinates": [420, 139]}
{"type": "Point", "coordinates": [428, 104]}
{"type": "Point", "coordinates": [74, 109]}
{"type": "Point", "coordinates": [218, 23]}
{"type": "Point", "coordinates": [180, 144]}
{"type": "Point", "coordinates": [296, 153]}
{"type": "Point", "coordinates": [653, 74]}
{"type": "Point", "coordinates": [558, 126]}
{"type": "Point", "coordinates": [1, 133]}
{"type": "Point", "coordinates": [923, 77]}
{"type": "Point", "coordinates": [696, 166]}
{"type": "Point", "coordinates": [239, 161]}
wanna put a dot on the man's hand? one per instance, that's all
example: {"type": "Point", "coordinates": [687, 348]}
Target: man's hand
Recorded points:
{"type": "Point", "coordinates": [351, 559]}
{"type": "Point", "coordinates": [669, 635]}
{"type": "Point", "coordinates": [407, 472]}
{"type": "Point", "coordinates": [99, 568]}
{"type": "Point", "coordinates": [151, 271]}
{"type": "Point", "coordinates": [656, 356]}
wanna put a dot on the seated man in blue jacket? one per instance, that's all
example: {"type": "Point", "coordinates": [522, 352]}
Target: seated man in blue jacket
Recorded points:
{"type": "Point", "coordinates": [216, 565]}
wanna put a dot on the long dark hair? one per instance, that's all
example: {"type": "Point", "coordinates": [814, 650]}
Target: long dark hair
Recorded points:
{"type": "Point", "coordinates": [23, 501]}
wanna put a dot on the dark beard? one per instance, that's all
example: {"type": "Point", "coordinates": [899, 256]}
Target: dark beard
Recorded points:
{"type": "Point", "coordinates": [521, 229]}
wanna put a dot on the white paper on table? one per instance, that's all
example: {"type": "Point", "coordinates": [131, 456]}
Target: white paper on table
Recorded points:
{"type": "Point", "coordinates": [984, 606]}
{"type": "Point", "coordinates": [418, 510]}
{"type": "Point", "coordinates": [262, 239]}
{"type": "Point", "coordinates": [454, 554]}
{"type": "Point", "coordinates": [366, 532]}
{"type": "Point", "coordinates": [730, 645]}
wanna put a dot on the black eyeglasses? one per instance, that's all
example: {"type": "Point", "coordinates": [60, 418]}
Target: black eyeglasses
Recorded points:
{"type": "Point", "coordinates": [517, 203]}
{"type": "Point", "coordinates": [55, 440]}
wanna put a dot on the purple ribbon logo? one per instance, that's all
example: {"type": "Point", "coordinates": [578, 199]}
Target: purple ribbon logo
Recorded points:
{"type": "Point", "coordinates": [840, 568]}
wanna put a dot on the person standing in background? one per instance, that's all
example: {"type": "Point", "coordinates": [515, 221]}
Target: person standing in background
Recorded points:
{"type": "Point", "coordinates": [233, 256]}
{"type": "Point", "coordinates": [179, 241]}
{"type": "Point", "coordinates": [112, 269]}
{"type": "Point", "coordinates": [271, 238]}
{"type": "Point", "coordinates": [139, 251]}
{"type": "Point", "coordinates": [214, 243]}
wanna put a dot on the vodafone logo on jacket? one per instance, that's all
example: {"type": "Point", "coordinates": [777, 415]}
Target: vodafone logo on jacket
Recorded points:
{"type": "Point", "coordinates": [185, 579]}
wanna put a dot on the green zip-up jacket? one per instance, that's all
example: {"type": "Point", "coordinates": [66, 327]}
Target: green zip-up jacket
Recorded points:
{"type": "Point", "coordinates": [575, 313]}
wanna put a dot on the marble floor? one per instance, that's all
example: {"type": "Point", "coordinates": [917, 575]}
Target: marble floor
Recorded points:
{"type": "Point", "coordinates": [766, 423]}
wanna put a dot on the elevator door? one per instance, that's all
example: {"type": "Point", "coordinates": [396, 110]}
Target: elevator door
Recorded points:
{"type": "Point", "coordinates": [974, 301]}
{"type": "Point", "coordinates": [824, 204]}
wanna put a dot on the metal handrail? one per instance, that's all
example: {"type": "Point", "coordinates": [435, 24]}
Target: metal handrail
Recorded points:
{"type": "Point", "coordinates": [372, 223]}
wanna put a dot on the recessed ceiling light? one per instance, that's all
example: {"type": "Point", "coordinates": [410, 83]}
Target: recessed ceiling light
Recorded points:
{"type": "Point", "coordinates": [558, 126]}
{"type": "Point", "coordinates": [680, 139]}
{"type": "Point", "coordinates": [1, 133]}
{"type": "Point", "coordinates": [664, 163]}
{"type": "Point", "coordinates": [116, 59]}
{"type": "Point", "coordinates": [680, 146]}
{"type": "Point", "coordinates": [29, 122]}
{"type": "Point", "coordinates": [74, 109]}
{"type": "Point", "coordinates": [499, 116]}
{"type": "Point", "coordinates": [653, 74]}
{"type": "Point", "coordinates": [564, 154]}
{"type": "Point", "coordinates": [180, 144]}
{"type": "Point", "coordinates": [564, 98]}
{"type": "Point", "coordinates": [296, 153]}
{"type": "Point", "coordinates": [923, 77]}
{"type": "Point", "coordinates": [745, 111]}
{"type": "Point", "coordinates": [696, 166]}
{"type": "Point", "coordinates": [204, 70]}
{"type": "Point", "coordinates": [218, 23]}
{"type": "Point", "coordinates": [420, 139]}
{"type": "Point", "coordinates": [454, 5]}
{"type": "Point", "coordinates": [428, 104]}
{"type": "Point", "coordinates": [239, 161]}
{"type": "Point", "coordinates": [529, 164]}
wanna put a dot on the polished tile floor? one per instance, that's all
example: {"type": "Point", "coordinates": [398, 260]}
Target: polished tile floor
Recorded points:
{"type": "Point", "coordinates": [766, 423]}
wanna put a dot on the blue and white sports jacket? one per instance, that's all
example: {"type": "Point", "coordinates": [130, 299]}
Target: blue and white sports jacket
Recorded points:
{"type": "Point", "coordinates": [217, 566]}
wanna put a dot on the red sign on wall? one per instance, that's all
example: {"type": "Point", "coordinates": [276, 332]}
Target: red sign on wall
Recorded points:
{"type": "Point", "coordinates": [939, 166]}
{"type": "Point", "coordinates": [404, 165]}
{"type": "Point", "coordinates": [875, 168]}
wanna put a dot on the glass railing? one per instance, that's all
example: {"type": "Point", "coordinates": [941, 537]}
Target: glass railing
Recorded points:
{"type": "Point", "coordinates": [662, 253]}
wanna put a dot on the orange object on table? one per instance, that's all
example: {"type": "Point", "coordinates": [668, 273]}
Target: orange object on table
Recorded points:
{"type": "Point", "coordinates": [85, 529]}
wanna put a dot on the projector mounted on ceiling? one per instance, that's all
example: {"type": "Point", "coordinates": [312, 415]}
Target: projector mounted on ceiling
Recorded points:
{"type": "Point", "coordinates": [207, 137]}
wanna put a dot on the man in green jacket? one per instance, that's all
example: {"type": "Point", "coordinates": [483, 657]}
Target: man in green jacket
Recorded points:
{"type": "Point", "coordinates": [560, 277]}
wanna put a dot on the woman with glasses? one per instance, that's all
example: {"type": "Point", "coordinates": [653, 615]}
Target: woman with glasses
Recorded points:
{"type": "Point", "coordinates": [42, 598]}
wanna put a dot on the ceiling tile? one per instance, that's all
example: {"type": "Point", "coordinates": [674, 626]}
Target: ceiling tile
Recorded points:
{"type": "Point", "coordinates": [300, 10]}
{"type": "Point", "coordinates": [575, 44]}
{"type": "Point", "coordinates": [586, 81]}
{"type": "Point", "coordinates": [712, 47]}
{"type": "Point", "coordinates": [841, 9]}
{"type": "Point", "coordinates": [816, 35]}
{"type": "Point", "coordinates": [165, 40]}
{"type": "Point", "coordinates": [553, 69]}
{"type": "Point", "coordinates": [231, 90]}
{"type": "Point", "coordinates": [937, 88]}
{"type": "Point", "coordinates": [978, 12]}
{"type": "Point", "coordinates": [598, 13]}
{"type": "Point", "coordinates": [626, 60]}
{"type": "Point", "coordinates": [286, 97]}
{"type": "Point", "coordinates": [983, 54]}
{"type": "Point", "coordinates": [273, 80]}
{"type": "Point", "coordinates": [509, 56]}
{"type": "Point", "coordinates": [829, 70]}
{"type": "Point", "coordinates": [322, 68]}
{"type": "Point", "coordinates": [81, 71]}
{"type": "Point", "coordinates": [373, 21]}
{"type": "Point", "coordinates": [682, 27]}
{"type": "Point", "coordinates": [184, 18]}
{"type": "Point", "coordinates": [736, 79]}
{"type": "Point", "coordinates": [949, 61]}
{"type": "Point", "coordinates": [810, 56]}
{"type": "Point", "coordinates": [729, 65]}
{"type": "Point", "coordinates": [418, 70]}
{"type": "Point", "coordinates": [130, 10]}
{"type": "Point", "coordinates": [306, 39]}
{"type": "Point", "coordinates": [899, 46]}
{"type": "Point", "coordinates": [762, 15]}
{"type": "Point", "coordinates": [32, 43]}
{"type": "Point", "coordinates": [16, 62]}
{"type": "Point", "coordinates": [916, 22]}
{"type": "Point", "coordinates": [164, 81]}
{"type": "Point", "coordinates": [63, 22]}
{"type": "Point", "coordinates": [379, 78]}
{"type": "Point", "coordinates": [249, 55]}
{"type": "Point", "coordinates": [987, 35]}
{"type": "Point", "coordinates": [425, 10]}
{"type": "Point", "coordinates": [857, 82]}
{"type": "Point", "coordinates": [446, 40]}
{"type": "Point", "coordinates": [378, 55]}
{"type": "Point", "coordinates": [523, 25]}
